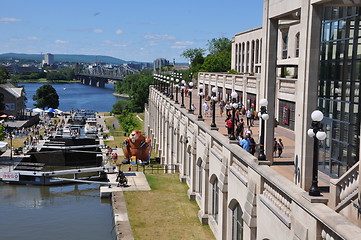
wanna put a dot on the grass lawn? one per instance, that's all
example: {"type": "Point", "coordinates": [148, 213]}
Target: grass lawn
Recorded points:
{"type": "Point", "coordinates": [165, 212]}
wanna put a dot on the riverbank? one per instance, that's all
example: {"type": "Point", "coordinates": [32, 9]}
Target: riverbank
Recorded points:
{"type": "Point", "coordinates": [44, 80]}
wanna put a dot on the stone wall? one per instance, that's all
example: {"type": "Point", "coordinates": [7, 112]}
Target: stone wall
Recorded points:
{"type": "Point", "coordinates": [222, 176]}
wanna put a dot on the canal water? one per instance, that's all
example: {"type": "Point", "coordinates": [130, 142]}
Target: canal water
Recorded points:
{"type": "Point", "coordinates": [76, 96]}
{"type": "Point", "coordinates": [59, 212]}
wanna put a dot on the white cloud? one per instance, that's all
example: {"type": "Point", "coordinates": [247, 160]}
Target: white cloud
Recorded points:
{"type": "Point", "coordinates": [97, 30]}
{"type": "Point", "coordinates": [159, 37]}
{"type": "Point", "coordinates": [115, 43]}
{"type": "Point", "coordinates": [9, 20]}
{"type": "Point", "coordinates": [118, 31]}
{"type": "Point", "coordinates": [33, 38]}
{"type": "Point", "coordinates": [180, 44]}
{"type": "Point", "coordinates": [61, 42]}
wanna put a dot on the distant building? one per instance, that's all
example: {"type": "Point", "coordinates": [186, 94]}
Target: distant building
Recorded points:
{"type": "Point", "coordinates": [13, 98]}
{"type": "Point", "coordinates": [48, 59]}
{"type": "Point", "coordinates": [160, 62]}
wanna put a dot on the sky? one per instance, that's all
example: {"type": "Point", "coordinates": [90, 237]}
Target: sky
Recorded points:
{"type": "Point", "coordinates": [140, 30]}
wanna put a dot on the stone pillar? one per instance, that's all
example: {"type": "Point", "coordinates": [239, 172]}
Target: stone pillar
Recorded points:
{"type": "Point", "coordinates": [306, 85]}
{"type": "Point", "coordinates": [268, 76]}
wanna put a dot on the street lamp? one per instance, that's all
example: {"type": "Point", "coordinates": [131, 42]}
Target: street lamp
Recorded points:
{"type": "Point", "coordinates": [214, 100]}
{"type": "Point", "coordinates": [200, 93]}
{"type": "Point", "coordinates": [264, 116]}
{"type": "Point", "coordinates": [190, 97]}
{"type": "Point", "coordinates": [176, 90]}
{"type": "Point", "coordinates": [234, 106]}
{"type": "Point", "coordinates": [171, 88]}
{"type": "Point", "coordinates": [317, 133]}
{"type": "Point", "coordinates": [182, 93]}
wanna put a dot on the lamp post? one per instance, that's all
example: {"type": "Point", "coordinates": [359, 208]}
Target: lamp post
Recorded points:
{"type": "Point", "coordinates": [317, 133]}
{"type": "Point", "coordinates": [171, 88]}
{"type": "Point", "coordinates": [182, 93]}
{"type": "Point", "coordinates": [190, 84]}
{"type": "Point", "coordinates": [214, 100]}
{"type": "Point", "coordinates": [264, 116]}
{"type": "Point", "coordinates": [200, 93]}
{"type": "Point", "coordinates": [234, 106]}
{"type": "Point", "coordinates": [176, 90]}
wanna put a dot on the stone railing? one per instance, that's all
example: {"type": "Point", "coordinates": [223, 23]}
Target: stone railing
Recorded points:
{"type": "Point", "coordinates": [345, 188]}
{"type": "Point", "coordinates": [278, 202]}
{"type": "Point", "coordinates": [273, 206]}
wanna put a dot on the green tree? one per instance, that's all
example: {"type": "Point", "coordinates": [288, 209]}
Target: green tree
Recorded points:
{"type": "Point", "coordinates": [128, 122]}
{"type": "Point", "coordinates": [2, 132]}
{"type": "Point", "coordinates": [4, 75]}
{"type": "Point", "coordinates": [217, 45]}
{"type": "Point", "coordinates": [46, 96]}
{"type": "Point", "coordinates": [194, 55]}
{"type": "Point", "coordinates": [137, 87]}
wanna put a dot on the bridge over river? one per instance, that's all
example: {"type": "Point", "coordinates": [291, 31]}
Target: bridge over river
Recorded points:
{"type": "Point", "coordinates": [99, 75]}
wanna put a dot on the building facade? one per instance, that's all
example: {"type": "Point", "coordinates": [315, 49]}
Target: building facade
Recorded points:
{"type": "Point", "coordinates": [48, 59]}
{"type": "Point", "coordinates": [13, 99]}
{"type": "Point", "coordinates": [309, 59]}
{"type": "Point", "coordinates": [336, 67]}
{"type": "Point", "coordinates": [159, 63]}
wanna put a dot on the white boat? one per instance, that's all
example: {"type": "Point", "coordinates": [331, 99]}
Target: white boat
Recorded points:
{"type": "Point", "coordinates": [67, 129]}
{"type": "Point", "coordinates": [90, 126]}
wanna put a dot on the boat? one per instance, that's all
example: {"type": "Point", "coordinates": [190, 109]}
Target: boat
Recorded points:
{"type": "Point", "coordinates": [61, 151]}
{"type": "Point", "coordinates": [90, 126]}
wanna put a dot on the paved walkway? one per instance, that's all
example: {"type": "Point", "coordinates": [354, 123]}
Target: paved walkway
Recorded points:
{"type": "Point", "coordinates": [283, 165]}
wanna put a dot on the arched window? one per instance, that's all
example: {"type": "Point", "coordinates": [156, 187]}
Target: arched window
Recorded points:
{"type": "Point", "coordinates": [215, 199]}
{"type": "Point", "coordinates": [237, 223]}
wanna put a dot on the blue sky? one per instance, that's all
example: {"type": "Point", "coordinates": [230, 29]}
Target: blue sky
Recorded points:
{"type": "Point", "coordinates": [131, 30]}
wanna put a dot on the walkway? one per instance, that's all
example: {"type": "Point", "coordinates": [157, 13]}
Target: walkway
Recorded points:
{"type": "Point", "coordinates": [283, 165]}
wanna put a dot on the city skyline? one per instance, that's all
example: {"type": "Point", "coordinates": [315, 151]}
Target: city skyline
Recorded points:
{"type": "Point", "coordinates": [132, 31]}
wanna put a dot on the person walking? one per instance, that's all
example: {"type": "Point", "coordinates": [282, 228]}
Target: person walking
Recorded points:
{"type": "Point", "coordinates": [205, 109]}
{"type": "Point", "coordinates": [275, 144]}
{"type": "Point", "coordinates": [249, 117]}
{"type": "Point", "coordinates": [280, 147]}
{"type": "Point", "coordinates": [229, 126]}
{"type": "Point", "coordinates": [222, 104]}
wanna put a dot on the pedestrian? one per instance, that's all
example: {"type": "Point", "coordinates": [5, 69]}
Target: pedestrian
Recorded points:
{"type": "Point", "coordinates": [229, 126]}
{"type": "Point", "coordinates": [193, 107]}
{"type": "Point", "coordinates": [227, 107]}
{"type": "Point", "coordinates": [245, 144]}
{"type": "Point", "coordinates": [205, 109]}
{"type": "Point", "coordinates": [275, 144]}
{"type": "Point", "coordinates": [222, 104]}
{"type": "Point", "coordinates": [249, 117]}
{"type": "Point", "coordinates": [280, 147]}
{"type": "Point", "coordinates": [248, 132]}
{"type": "Point", "coordinates": [252, 145]}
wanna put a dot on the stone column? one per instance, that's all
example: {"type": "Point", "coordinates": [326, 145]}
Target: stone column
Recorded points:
{"type": "Point", "coordinates": [268, 76]}
{"type": "Point", "coordinates": [306, 85]}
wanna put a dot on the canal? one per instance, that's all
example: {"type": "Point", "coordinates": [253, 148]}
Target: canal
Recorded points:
{"type": "Point", "coordinates": [59, 212]}
{"type": "Point", "coordinates": [76, 96]}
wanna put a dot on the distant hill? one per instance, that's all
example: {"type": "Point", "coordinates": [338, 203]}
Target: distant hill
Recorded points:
{"type": "Point", "coordinates": [64, 58]}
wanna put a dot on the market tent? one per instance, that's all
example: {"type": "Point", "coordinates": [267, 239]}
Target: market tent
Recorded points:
{"type": "Point", "coordinates": [3, 146]}
{"type": "Point", "coordinates": [3, 116]}
{"type": "Point", "coordinates": [58, 111]}
{"type": "Point", "coordinates": [38, 110]}
{"type": "Point", "coordinates": [50, 110]}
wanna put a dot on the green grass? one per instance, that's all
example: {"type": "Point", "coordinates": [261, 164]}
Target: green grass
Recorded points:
{"type": "Point", "coordinates": [165, 212]}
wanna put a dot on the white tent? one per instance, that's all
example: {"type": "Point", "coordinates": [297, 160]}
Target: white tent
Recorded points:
{"type": "Point", "coordinates": [58, 111]}
{"type": "Point", "coordinates": [38, 110]}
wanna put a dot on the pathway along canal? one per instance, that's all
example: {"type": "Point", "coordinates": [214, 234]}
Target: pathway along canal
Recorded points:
{"type": "Point", "coordinates": [70, 212]}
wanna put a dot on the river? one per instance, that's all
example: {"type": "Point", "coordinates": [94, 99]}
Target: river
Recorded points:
{"type": "Point", "coordinates": [76, 96]}
{"type": "Point", "coordinates": [59, 212]}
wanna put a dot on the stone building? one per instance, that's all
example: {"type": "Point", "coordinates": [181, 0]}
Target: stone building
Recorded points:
{"type": "Point", "coordinates": [306, 56]}
{"type": "Point", "coordinates": [13, 98]}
